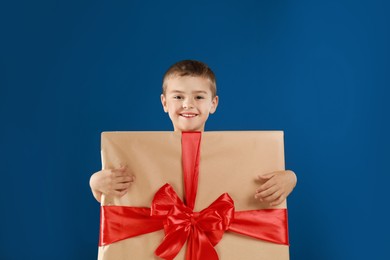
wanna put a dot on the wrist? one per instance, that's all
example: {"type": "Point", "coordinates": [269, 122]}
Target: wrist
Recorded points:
{"type": "Point", "coordinates": [293, 177]}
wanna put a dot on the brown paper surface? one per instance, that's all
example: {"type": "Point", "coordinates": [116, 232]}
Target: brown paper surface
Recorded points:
{"type": "Point", "coordinates": [229, 162]}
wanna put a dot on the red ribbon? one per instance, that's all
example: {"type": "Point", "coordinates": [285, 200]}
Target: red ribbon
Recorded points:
{"type": "Point", "coordinates": [202, 230]}
{"type": "Point", "coordinates": [190, 148]}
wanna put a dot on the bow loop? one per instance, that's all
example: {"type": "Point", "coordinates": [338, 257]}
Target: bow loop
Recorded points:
{"type": "Point", "coordinates": [164, 200]}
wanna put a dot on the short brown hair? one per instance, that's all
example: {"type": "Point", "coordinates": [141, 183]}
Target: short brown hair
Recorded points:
{"type": "Point", "coordinates": [192, 68]}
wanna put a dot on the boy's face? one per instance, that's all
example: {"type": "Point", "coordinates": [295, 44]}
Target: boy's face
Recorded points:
{"type": "Point", "coordinates": [188, 101]}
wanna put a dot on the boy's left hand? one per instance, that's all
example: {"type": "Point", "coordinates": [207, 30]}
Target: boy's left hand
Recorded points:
{"type": "Point", "coordinates": [276, 186]}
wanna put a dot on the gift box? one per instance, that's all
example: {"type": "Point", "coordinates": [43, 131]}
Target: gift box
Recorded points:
{"type": "Point", "coordinates": [193, 196]}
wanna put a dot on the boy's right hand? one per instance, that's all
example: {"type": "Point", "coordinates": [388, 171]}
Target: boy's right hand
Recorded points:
{"type": "Point", "coordinates": [111, 182]}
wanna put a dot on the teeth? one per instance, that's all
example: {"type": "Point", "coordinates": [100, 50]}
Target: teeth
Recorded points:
{"type": "Point", "coordinates": [188, 115]}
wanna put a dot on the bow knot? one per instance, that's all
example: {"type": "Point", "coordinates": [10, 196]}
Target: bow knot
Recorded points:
{"type": "Point", "coordinates": [202, 230]}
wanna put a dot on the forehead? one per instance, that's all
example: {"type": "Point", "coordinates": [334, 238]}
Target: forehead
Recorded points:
{"type": "Point", "coordinates": [187, 83]}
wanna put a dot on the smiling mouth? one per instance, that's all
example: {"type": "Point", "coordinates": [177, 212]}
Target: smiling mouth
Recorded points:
{"type": "Point", "coordinates": [186, 115]}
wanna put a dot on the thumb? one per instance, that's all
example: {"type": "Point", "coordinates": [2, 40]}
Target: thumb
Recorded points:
{"type": "Point", "coordinates": [266, 176]}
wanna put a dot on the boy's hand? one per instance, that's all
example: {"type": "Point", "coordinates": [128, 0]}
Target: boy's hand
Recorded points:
{"type": "Point", "coordinates": [276, 186]}
{"type": "Point", "coordinates": [113, 182]}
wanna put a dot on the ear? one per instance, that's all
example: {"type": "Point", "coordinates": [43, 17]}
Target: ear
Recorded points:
{"type": "Point", "coordinates": [164, 103]}
{"type": "Point", "coordinates": [214, 104]}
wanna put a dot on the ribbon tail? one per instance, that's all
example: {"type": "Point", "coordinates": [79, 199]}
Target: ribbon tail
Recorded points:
{"type": "Point", "coordinates": [172, 243]}
{"type": "Point", "coordinates": [267, 224]}
{"type": "Point", "coordinates": [199, 246]}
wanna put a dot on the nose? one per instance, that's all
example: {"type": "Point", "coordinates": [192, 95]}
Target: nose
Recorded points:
{"type": "Point", "coordinates": [187, 103]}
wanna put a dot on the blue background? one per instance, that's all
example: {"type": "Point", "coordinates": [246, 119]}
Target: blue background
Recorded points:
{"type": "Point", "coordinates": [319, 70]}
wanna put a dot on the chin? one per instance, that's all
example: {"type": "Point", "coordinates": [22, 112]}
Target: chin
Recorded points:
{"type": "Point", "coordinates": [189, 129]}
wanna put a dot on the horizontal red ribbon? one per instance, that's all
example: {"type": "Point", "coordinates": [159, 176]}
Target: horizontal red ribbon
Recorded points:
{"type": "Point", "coordinates": [204, 229]}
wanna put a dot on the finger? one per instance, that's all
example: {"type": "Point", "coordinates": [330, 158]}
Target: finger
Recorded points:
{"type": "Point", "coordinates": [122, 166]}
{"type": "Point", "coordinates": [124, 179]}
{"type": "Point", "coordinates": [269, 184]}
{"type": "Point", "coordinates": [120, 193]}
{"type": "Point", "coordinates": [267, 175]}
{"type": "Point", "coordinates": [271, 198]}
{"type": "Point", "coordinates": [107, 172]}
{"type": "Point", "coordinates": [121, 186]}
{"type": "Point", "coordinates": [278, 201]}
{"type": "Point", "coordinates": [120, 173]}
{"type": "Point", "coordinates": [119, 170]}
{"type": "Point", "coordinates": [263, 178]}
{"type": "Point", "coordinates": [267, 192]}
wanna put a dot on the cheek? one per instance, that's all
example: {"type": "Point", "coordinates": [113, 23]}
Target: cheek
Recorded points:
{"type": "Point", "coordinates": [207, 107]}
{"type": "Point", "coordinates": [172, 107]}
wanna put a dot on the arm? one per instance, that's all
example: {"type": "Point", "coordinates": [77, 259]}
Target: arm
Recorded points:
{"type": "Point", "coordinates": [114, 182]}
{"type": "Point", "coordinates": [275, 187]}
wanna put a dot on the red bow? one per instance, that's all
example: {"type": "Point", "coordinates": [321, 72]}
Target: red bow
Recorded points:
{"type": "Point", "coordinates": [203, 229]}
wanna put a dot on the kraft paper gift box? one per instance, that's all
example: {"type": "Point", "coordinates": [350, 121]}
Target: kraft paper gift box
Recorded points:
{"type": "Point", "coordinates": [229, 163]}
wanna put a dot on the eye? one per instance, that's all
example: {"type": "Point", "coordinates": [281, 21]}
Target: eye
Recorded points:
{"type": "Point", "coordinates": [199, 97]}
{"type": "Point", "coordinates": [177, 97]}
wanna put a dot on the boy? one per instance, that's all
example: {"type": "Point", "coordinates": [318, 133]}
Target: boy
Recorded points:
{"type": "Point", "coordinates": [189, 96]}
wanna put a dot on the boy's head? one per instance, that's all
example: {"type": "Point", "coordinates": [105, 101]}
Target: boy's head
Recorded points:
{"type": "Point", "coordinates": [191, 68]}
{"type": "Point", "coordinates": [189, 95]}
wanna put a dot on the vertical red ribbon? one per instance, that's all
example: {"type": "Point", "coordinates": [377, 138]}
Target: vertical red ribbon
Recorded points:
{"type": "Point", "coordinates": [190, 158]}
